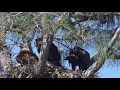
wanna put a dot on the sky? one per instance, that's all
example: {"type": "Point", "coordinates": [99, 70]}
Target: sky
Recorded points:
{"type": "Point", "coordinates": [106, 71]}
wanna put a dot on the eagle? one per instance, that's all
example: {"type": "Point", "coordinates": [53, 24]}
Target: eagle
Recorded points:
{"type": "Point", "coordinates": [80, 57]}
{"type": "Point", "coordinates": [53, 54]}
{"type": "Point", "coordinates": [25, 56]}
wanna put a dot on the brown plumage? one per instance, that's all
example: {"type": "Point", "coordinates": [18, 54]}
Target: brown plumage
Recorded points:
{"type": "Point", "coordinates": [80, 57]}
{"type": "Point", "coordinates": [25, 56]}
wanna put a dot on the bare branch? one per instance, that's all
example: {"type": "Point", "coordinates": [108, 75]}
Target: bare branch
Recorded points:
{"type": "Point", "coordinates": [47, 40]}
{"type": "Point", "coordinates": [101, 59]}
{"type": "Point", "coordinates": [114, 39]}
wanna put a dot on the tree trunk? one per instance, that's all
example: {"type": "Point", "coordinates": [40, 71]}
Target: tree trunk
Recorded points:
{"type": "Point", "coordinates": [47, 40]}
{"type": "Point", "coordinates": [5, 59]}
{"type": "Point", "coordinates": [5, 62]}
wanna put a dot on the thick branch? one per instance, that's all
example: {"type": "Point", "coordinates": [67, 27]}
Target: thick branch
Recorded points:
{"type": "Point", "coordinates": [47, 40]}
{"type": "Point", "coordinates": [114, 39]}
{"type": "Point", "coordinates": [93, 69]}
{"type": "Point", "coordinates": [5, 62]}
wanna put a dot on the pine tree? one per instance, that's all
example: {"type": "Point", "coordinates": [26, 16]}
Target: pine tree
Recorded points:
{"type": "Point", "coordinates": [17, 27]}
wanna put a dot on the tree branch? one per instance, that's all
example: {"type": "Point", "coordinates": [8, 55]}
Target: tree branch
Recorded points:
{"type": "Point", "coordinates": [114, 39]}
{"type": "Point", "coordinates": [101, 59]}
{"type": "Point", "coordinates": [5, 62]}
{"type": "Point", "coordinates": [47, 40]}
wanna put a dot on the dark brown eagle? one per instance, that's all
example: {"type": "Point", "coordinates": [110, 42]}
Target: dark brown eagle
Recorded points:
{"type": "Point", "coordinates": [80, 57]}
{"type": "Point", "coordinates": [53, 54]}
{"type": "Point", "coordinates": [25, 56]}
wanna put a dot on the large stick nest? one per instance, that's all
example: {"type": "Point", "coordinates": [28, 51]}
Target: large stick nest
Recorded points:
{"type": "Point", "coordinates": [51, 71]}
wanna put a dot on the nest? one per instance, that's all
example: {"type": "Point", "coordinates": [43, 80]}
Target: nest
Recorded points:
{"type": "Point", "coordinates": [51, 71]}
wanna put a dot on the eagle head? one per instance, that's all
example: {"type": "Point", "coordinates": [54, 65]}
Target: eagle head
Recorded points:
{"type": "Point", "coordinates": [23, 46]}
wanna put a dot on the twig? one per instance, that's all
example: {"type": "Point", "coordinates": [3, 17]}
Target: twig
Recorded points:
{"type": "Point", "coordinates": [63, 44]}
